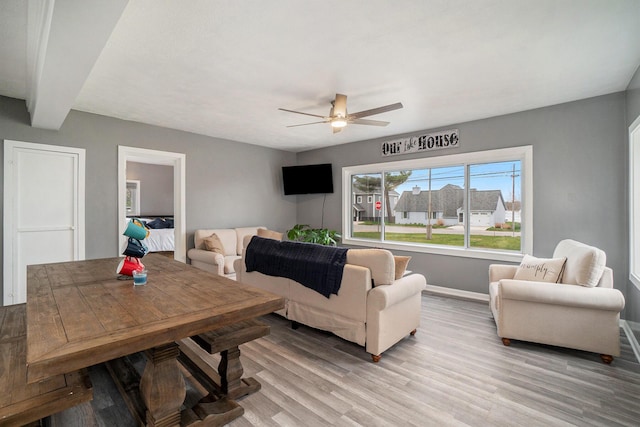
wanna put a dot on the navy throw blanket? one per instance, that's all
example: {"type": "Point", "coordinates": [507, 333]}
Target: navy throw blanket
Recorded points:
{"type": "Point", "coordinates": [315, 266]}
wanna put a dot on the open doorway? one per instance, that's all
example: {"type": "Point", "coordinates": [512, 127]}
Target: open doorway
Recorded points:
{"type": "Point", "coordinates": [155, 157]}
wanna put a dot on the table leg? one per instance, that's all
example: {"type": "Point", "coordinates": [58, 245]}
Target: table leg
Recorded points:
{"type": "Point", "coordinates": [162, 386]}
{"type": "Point", "coordinates": [230, 370]}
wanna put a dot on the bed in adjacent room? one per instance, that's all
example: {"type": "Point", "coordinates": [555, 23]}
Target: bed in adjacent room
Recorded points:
{"type": "Point", "coordinates": [161, 233]}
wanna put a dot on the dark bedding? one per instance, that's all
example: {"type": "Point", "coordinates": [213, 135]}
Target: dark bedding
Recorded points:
{"type": "Point", "coordinates": [160, 223]}
{"type": "Point", "coordinates": [315, 266]}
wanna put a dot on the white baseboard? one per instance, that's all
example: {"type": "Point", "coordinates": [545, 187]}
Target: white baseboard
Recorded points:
{"type": "Point", "coordinates": [631, 337]}
{"type": "Point", "coordinates": [456, 293]}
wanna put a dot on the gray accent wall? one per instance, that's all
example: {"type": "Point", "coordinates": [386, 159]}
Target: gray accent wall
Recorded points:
{"type": "Point", "coordinates": [633, 98]}
{"type": "Point", "coordinates": [580, 154]}
{"type": "Point", "coordinates": [579, 182]}
{"type": "Point", "coordinates": [632, 309]}
{"type": "Point", "coordinates": [228, 184]}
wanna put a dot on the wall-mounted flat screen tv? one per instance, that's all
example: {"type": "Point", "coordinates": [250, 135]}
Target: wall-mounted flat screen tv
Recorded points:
{"type": "Point", "coordinates": [307, 179]}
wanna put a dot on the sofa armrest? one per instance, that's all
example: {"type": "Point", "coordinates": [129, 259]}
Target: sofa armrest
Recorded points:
{"type": "Point", "coordinates": [239, 266]}
{"type": "Point", "coordinates": [207, 257]}
{"type": "Point", "coordinates": [562, 294]}
{"type": "Point", "coordinates": [501, 271]}
{"type": "Point", "coordinates": [384, 296]}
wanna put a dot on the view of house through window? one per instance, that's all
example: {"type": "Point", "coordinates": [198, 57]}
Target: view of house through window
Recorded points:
{"type": "Point", "coordinates": [466, 205]}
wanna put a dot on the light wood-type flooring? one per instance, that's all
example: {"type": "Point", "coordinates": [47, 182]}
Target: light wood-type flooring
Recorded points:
{"type": "Point", "coordinates": [453, 372]}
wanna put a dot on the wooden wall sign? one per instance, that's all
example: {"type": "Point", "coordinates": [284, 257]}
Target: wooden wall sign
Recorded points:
{"type": "Point", "coordinates": [421, 143]}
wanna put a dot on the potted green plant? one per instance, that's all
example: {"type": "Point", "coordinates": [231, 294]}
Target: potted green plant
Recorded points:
{"type": "Point", "coordinates": [322, 236]}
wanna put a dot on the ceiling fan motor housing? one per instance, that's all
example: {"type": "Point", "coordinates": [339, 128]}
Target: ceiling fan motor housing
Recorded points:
{"type": "Point", "coordinates": [339, 118]}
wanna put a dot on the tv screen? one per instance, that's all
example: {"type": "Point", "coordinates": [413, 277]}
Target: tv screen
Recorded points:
{"type": "Point", "coordinates": [307, 179]}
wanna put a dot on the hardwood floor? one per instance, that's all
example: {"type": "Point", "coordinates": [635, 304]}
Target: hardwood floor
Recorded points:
{"type": "Point", "coordinates": [453, 372]}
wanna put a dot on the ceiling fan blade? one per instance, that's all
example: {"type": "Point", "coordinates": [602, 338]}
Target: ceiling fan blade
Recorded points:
{"type": "Point", "coordinates": [368, 122]}
{"type": "Point", "coordinates": [378, 110]}
{"type": "Point", "coordinates": [304, 124]}
{"type": "Point", "coordinates": [340, 105]}
{"type": "Point", "coordinates": [300, 112]}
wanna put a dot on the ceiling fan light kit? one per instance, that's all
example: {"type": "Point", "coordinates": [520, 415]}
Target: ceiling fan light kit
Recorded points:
{"type": "Point", "coordinates": [339, 122]}
{"type": "Point", "coordinates": [339, 118]}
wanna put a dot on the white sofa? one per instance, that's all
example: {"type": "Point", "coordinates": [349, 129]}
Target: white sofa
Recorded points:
{"type": "Point", "coordinates": [375, 317]}
{"type": "Point", "coordinates": [232, 241]}
{"type": "Point", "coordinates": [581, 312]}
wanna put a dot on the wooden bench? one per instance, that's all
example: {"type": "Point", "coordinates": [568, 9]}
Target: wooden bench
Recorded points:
{"type": "Point", "coordinates": [227, 384]}
{"type": "Point", "coordinates": [226, 341]}
{"type": "Point", "coordinates": [22, 403]}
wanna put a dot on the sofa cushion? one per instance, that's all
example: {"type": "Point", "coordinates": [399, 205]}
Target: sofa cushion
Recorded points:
{"type": "Point", "coordinates": [401, 263]}
{"type": "Point", "coordinates": [585, 264]}
{"type": "Point", "coordinates": [269, 234]}
{"type": "Point", "coordinates": [541, 269]}
{"type": "Point", "coordinates": [213, 244]}
{"type": "Point", "coordinates": [379, 261]}
{"type": "Point", "coordinates": [226, 235]}
{"type": "Point", "coordinates": [240, 233]}
{"type": "Point", "coordinates": [228, 239]}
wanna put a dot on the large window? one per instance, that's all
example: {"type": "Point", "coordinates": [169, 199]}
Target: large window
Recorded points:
{"type": "Point", "coordinates": [474, 204]}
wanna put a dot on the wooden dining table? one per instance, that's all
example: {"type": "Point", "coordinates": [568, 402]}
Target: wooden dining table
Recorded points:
{"type": "Point", "coordinates": [82, 313]}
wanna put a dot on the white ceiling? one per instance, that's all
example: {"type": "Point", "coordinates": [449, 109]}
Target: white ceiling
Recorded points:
{"type": "Point", "coordinates": [223, 68]}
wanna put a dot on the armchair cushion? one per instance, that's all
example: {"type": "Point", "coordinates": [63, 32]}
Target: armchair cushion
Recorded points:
{"type": "Point", "coordinates": [379, 261]}
{"type": "Point", "coordinates": [585, 264]}
{"type": "Point", "coordinates": [540, 269]}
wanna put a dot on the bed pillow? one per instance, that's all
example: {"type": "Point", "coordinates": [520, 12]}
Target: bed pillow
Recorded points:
{"type": "Point", "coordinates": [269, 234]}
{"type": "Point", "coordinates": [213, 244]}
{"type": "Point", "coordinates": [541, 269]}
{"type": "Point", "coordinates": [401, 265]}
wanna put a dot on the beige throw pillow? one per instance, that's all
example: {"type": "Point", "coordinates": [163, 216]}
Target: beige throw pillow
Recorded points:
{"type": "Point", "coordinates": [269, 234]}
{"type": "Point", "coordinates": [541, 269]}
{"type": "Point", "coordinates": [213, 244]}
{"type": "Point", "coordinates": [401, 265]}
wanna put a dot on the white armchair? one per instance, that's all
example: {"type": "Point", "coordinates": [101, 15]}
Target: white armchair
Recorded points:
{"type": "Point", "coordinates": [582, 311]}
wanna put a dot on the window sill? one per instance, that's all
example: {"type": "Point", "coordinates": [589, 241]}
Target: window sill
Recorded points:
{"type": "Point", "coordinates": [437, 250]}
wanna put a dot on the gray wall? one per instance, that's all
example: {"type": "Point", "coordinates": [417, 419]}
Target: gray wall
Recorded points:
{"type": "Point", "coordinates": [156, 187]}
{"type": "Point", "coordinates": [632, 310]}
{"type": "Point", "coordinates": [633, 98]}
{"type": "Point", "coordinates": [579, 182]}
{"type": "Point", "coordinates": [580, 179]}
{"type": "Point", "coordinates": [221, 185]}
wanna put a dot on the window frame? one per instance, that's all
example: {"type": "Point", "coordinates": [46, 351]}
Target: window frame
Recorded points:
{"type": "Point", "coordinates": [522, 153]}
{"type": "Point", "coordinates": [634, 203]}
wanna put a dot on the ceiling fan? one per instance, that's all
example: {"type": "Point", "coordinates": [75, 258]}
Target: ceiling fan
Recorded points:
{"type": "Point", "coordinates": [339, 118]}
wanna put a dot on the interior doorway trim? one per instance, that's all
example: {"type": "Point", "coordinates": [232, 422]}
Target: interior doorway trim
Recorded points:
{"type": "Point", "coordinates": [143, 155]}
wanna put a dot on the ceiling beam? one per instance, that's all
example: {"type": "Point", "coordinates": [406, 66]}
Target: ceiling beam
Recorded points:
{"type": "Point", "coordinates": [64, 40]}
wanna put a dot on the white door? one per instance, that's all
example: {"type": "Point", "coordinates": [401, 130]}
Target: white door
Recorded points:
{"type": "Point", "coordinates": [43, 210]}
